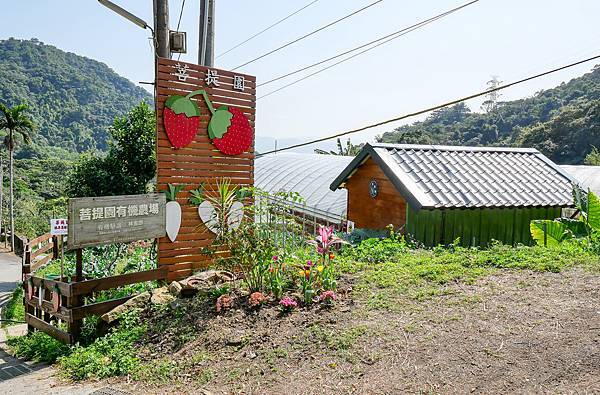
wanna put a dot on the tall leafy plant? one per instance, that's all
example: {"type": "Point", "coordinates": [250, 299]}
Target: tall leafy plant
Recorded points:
{"type": "Point", "coordinates": [585, 226]}
{"type": "Point", "coordinates": [16, 123]}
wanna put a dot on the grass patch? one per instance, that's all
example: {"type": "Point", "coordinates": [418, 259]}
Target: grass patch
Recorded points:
{"type": "Point", "coordinates": [420, 274]}
{"type": "Point", "coordinates": [110, 355]}
{"type": "Point", "coordinates": [14, 309]}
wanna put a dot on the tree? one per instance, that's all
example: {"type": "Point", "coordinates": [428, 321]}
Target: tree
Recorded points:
{"type": "Point", "coordinates": [16, 123]}
{"type": "Point", "coordinates": [593, 158]}
{"type": "Point", "coordinates": [130, 163]}
{"type": "Point", "coordinates": [348, 150]}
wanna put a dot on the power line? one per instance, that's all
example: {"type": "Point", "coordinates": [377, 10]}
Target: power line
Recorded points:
{"type": "Point", "coordinates": [308, 35]}
{"type": "Point", "coordinates": [266, 29]}
{"type": "Point", "coordinates": [456, 101]}
{"type": "Point", "coordinates": [179, 22]}
{"type": "Point", "coordinates": [391, 36]}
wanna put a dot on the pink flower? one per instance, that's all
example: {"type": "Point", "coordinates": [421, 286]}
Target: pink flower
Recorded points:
{"type": "Point", "coordinates": [288, 303]}
{"type": "Point", "coordinates": [275, 257]}
{"type": "Point", "coordinates": [327, 296]}
{"type": "Point", "coordinates": [256, 299]}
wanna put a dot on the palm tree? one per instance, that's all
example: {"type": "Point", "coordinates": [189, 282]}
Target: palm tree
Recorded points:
{"type": "Point", "coordinates": [16, 123]}
{"type": "Point", "coordinates": [349, 150]}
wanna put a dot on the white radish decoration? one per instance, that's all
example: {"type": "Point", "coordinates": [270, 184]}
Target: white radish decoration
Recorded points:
{"type": "Point", "coordinates": [173, 212]}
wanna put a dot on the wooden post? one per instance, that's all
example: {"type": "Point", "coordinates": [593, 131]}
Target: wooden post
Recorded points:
{"type": "Point", "coordinates": [55, 247]}
{"type": "Point", "coordinates": [77, 300]}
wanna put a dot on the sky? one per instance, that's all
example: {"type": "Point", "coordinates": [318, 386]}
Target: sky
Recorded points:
{"type": "Point", "coordinates": [447, 59]}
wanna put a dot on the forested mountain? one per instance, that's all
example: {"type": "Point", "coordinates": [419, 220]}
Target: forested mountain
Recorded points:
{"type": "Point", "coordinates": [72, 99]}
{"type": "Point", "coordinates": [562, 122]}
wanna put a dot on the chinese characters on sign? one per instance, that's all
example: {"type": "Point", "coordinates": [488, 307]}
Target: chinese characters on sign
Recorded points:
{"type": "Point", "coordinates": [58, 227]}
{"type": "Point", "coordinates": [239, 83]}
{"type": "Point", "coordinates": [211, 79]}
{"type": "Point", "coordinates": [114, 219]}
{"type": "Point", "coordinates": [182, 72]}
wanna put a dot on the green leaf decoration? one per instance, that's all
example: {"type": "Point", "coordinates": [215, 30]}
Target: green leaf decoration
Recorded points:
{"type": "Point", "coordinates": [180, 104]}
{"type": "Point", "coordinates": [593, 211]}
{"type": "Point", "coordinates": [556, 232]}
{"type": "Point", "coordinates": [197, 195]}
{"type": "Point", "coordinates": [220, 121]}
{"type": "Point", "coordinates": [172, 192]}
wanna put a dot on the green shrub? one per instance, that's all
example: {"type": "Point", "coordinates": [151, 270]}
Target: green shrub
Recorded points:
{"type": "Point", "coordinates": [38, 347]}
{"type": "Point", "coordinates": [14, 310]}
{"type": "Point", "coordinates": [110, 355]}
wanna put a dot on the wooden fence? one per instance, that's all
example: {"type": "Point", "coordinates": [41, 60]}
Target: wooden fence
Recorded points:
{"type": "Point", "coordinates": [64, 323]}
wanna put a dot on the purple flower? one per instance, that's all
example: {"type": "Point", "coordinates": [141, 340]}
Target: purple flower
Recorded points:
{"type": "Point", "coordinates": [275, 257]}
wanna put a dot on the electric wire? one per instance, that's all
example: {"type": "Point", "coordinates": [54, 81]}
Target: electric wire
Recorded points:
{"type": "Point", "coordinates": [308, 34]}
{"type": "Point", "coordinates": [266, 29]}
{"type": "Point", "coordinates": [395, 35]}
{"type": "Point", "coordinates": [437, 107]}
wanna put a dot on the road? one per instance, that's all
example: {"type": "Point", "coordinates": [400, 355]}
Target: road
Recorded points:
{"type": "Point", "coordinates": [10, 274]}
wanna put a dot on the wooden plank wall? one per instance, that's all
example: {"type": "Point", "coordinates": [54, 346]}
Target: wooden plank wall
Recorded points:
{"type": "Point", "coordinates": [388, 207]}
{"type": "Point", "coordinates": [199, 161]}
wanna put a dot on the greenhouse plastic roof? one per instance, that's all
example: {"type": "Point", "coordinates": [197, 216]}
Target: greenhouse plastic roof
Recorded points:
{"type": "Point", "coordinates": [587, 176]}
{"type": "Point", "coordinates": [307, 174]}
{"type": "Point", "coordinates": [430, 176]}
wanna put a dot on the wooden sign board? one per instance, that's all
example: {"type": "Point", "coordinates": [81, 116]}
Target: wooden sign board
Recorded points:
{"type": "Point", "coordinates": [199, 161]}
{"type": "Point", "coordinates": [115, 219]}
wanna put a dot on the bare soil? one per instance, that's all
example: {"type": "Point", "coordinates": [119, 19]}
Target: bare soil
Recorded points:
{"type": "Point", "coordinates": [514, 332]}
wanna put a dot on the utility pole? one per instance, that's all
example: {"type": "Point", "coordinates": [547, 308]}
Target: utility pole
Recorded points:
{"type": "Point", "coordinates": [161, 28]}
{"type": "Point", "coordinates": [206, 43]}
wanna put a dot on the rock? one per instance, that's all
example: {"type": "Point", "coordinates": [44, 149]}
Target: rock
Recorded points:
{"type": "Point", "coordinates": [200, 282]}
{"type": "Point", "coordinates": [175, 288]}
{"type": "Point", "coordinates": [137, 302]}
{"type": "Point", "coordinates": [161, 296]}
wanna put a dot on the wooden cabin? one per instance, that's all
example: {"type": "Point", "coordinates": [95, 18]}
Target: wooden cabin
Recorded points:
{"type": "Point", "coordinates": [437, 194]}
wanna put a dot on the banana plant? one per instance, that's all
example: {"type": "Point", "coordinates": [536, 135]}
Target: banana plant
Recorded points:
{"type": "Point", "coordinates": [554, 232]}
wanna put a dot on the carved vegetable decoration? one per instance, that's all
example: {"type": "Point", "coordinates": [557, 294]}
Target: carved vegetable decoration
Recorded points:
{"type": "Point", "coordinates": [56, 298]}
{"type": "Point", "coordinates": [228, 128]}
{"type": "Point", "coordinates": [173, 211]}
{"type": "Point", "coordinates": [181, 118]}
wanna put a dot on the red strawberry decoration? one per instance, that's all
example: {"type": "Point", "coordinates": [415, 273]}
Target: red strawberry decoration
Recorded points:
{"type": "Point", "coordinates": [181, 118]}
{"type": "Point", "coordinates": [230, 130]}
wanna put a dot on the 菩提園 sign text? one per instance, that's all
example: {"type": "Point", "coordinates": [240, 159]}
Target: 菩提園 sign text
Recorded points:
{"type": "Point", "coordinates": [115, 219]}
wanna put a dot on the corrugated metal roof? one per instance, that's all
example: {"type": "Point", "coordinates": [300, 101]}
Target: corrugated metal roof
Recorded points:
{"type": "Point", "coordinates": [308, 174]}
{"type": "Point", "coordinates": [588, 176]}
{"type": "Point", "coordinates": [430, 176]}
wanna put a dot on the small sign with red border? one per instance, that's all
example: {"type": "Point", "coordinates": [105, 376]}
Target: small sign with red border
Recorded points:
{"type": "Point", "coordinates": [59, 226]}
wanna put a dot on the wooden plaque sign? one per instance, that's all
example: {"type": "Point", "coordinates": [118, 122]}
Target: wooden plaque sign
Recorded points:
{"type": "Point", "coordinates": [115, 219]}
{"type": "Point", "coordinates": [205, 133]}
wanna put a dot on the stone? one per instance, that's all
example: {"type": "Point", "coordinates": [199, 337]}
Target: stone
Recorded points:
{"type": "Point", "coordinates": [137, 302]}
{"type": "Point", "coordinates": [161, 296]}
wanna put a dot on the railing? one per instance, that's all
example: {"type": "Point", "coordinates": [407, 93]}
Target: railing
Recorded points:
{"type": "Point", "coordinates": [56, 306]}
{"type": "Point", "coordinates": [38, 252]}
{"type": "Point", "coordinates": [291, 223]}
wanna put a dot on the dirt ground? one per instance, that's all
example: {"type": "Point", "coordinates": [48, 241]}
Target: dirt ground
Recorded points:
{"type": "Point", "coordinates": [514, 332]}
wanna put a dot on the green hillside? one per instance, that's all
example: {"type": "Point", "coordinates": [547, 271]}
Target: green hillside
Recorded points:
{"type": "Point", "coordinates": [562, 122]}
{"type": "Point", "coordinates": [72, 99]}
